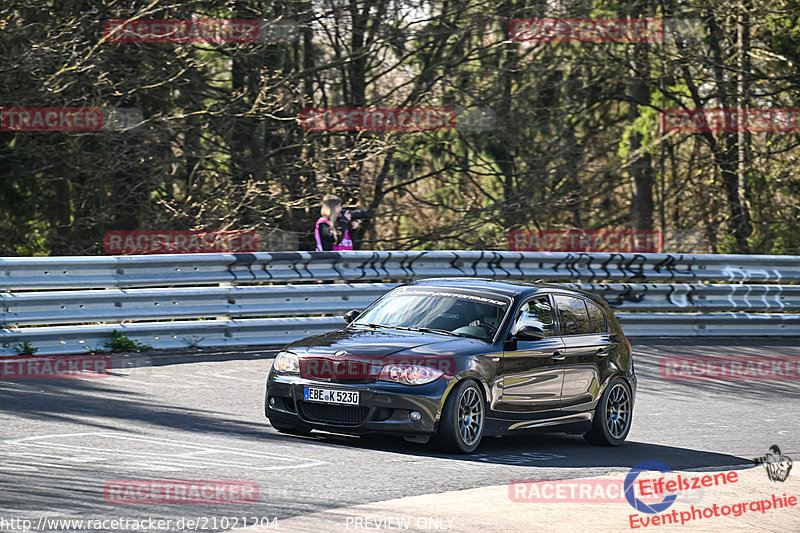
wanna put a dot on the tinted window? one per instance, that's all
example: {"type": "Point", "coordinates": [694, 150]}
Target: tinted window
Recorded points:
{"type": "Point", "coordinates": [467, 314]}
{"type": "Point", "coordinates": [596, 318]}
{"type": "Point", "coordinates": [573, 316]}
{"type": "Point", "coordinates": [537, 312]}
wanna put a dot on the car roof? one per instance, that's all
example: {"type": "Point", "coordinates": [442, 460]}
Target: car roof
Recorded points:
{"type": "Point", "coordinates": [511, 288]}
{"type": "Point", "coordinates": [503, 287]}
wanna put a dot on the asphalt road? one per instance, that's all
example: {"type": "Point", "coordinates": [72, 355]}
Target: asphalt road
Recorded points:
{"type": "Point", "coordinates": [199, 416]}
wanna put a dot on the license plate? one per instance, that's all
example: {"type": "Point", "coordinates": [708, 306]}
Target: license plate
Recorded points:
{"type": "Point", "coordinates": [313, 394]}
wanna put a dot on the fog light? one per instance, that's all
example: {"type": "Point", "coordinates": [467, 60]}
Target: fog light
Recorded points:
{"type": "Point", "coordinates": [272, 402]}
{"type": "Point", "coordinates": [414, 416]}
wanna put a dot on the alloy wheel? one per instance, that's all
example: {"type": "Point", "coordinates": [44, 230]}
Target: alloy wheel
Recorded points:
{"type": "Point", "coordinates": [470, 416]}
{"type": "Point", "coordinates": [618, 411]}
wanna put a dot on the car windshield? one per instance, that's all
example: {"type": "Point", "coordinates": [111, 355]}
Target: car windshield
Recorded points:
{"type": "Point", "coordinates": [437, 311]}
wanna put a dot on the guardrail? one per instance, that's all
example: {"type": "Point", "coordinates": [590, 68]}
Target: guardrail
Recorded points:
{"type": "Point", "coordinates": [200, 269]}
{"type": "Point", "coordinates": [86, 306]}
{"type": "Point", "coordinates": [69, 304]}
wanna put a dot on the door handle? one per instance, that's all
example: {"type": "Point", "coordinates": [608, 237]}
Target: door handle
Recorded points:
{"type": "Point", "coordinates": [558, 356]}
{"type": "Point", "coordinates": [602, 352]}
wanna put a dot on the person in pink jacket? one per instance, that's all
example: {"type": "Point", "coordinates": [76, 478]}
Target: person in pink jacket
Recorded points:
{"type": "Point", "coordinates": [332, 230]}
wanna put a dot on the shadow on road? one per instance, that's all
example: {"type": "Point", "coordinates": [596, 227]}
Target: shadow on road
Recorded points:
{"type": "Point", "coordinates": [92, 403]}
{"type": "Point", "coordinates": [100, 405]}
{"type": "Point", "coordinates": [552, 451]}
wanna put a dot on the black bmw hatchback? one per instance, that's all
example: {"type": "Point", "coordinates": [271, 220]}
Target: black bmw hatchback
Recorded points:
{"type": "Point", "coordinates": [456, 359]}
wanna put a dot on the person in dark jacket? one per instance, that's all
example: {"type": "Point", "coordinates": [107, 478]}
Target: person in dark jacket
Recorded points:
{"type": "Point", "coordinates": [332, 230]}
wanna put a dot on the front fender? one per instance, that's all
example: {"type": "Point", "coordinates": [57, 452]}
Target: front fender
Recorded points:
{"type": "Point", "coordinates": [466, 374]}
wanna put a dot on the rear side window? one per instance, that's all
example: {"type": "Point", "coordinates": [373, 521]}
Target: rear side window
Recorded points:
{"type": "Point", "coordinates": [597, 319]}
{"type": "Point", "coordinates": [573, 316]}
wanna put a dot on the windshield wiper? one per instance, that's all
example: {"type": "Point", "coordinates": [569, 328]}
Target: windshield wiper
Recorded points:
{"type": "Point", "coordinates": [372, 325]}
{"type": "Point", "coordinates": [440, 331]}
{"type": "Point", "coordinates": [421, 330]}
{"type": "Point", "coordinates": [377, 326]}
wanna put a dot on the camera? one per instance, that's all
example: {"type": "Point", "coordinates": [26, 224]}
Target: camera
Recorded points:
{"type": "Point", "coordinates": [356, 214]}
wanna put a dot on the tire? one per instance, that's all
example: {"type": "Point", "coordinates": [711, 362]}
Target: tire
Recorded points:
{"type": "Point", "coordinates": [463, 419]}
{"type": "Point", "coordinates": [612, 416]}
{"type": "Point", "coordinates": [290, 429]}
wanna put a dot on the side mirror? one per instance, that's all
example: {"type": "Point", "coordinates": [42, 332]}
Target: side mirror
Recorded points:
{"type": "Point", "coordinates": [529, 333]}
{"type": "Point", "coordinates": [351, 315]}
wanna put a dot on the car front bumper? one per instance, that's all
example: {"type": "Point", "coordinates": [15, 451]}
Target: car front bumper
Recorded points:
{"type": "Point", "coordinates": [383, 407]}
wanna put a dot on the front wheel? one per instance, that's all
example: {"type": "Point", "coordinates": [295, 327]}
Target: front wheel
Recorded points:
{"type": "Point", "coordinates": [462, 420]}
{"type": "Point", "coordinates": [612, 416]}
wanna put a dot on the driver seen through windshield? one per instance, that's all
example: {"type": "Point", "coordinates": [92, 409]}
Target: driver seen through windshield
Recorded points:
{"type": "Point", "coordinates": [459, 314]}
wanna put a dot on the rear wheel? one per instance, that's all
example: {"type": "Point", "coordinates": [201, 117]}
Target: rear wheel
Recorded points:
{"type": "Point", "coordinates": [462, 420]}
{"type": "Point", "coordinates": [290, 429]}
{"type": "Point", "coordinates": [612, 416]}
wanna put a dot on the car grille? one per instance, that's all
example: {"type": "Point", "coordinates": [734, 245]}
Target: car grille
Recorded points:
{"type": "Point", "coordinates": [340, 371]}
{"type": "Point", "coordinates": [333, 414]}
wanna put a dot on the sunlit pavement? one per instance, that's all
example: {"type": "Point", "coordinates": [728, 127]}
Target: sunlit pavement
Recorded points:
{"type": "Point", "coordinates": [199, 416]}
{"type": "Point", "coordinates": [491, 509]}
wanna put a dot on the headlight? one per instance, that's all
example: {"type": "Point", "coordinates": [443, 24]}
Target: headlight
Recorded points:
{"type": "Point", "coordinates": [409, 374]}
{"type": "Point", "coordinates": [287, 363]}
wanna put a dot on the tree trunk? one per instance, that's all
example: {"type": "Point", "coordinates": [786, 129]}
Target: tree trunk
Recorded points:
{"type": "Point", "coordinates": [641, 168]}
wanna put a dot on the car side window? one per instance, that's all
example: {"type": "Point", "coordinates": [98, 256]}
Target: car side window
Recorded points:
{"type": "Point", "coordinates": [573, 316]}
{"type": "Point", "coordinates": [597, 318]}
{"type": "Point", "coordinates": [536, 312]}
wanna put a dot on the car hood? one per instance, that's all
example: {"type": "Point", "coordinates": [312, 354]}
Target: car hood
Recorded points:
{"type": "Point", "coordinates": [381, 343]}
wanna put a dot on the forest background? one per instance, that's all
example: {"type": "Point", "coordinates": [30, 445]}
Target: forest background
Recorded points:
{"type": "Point", "coordinates": [548, 134]}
